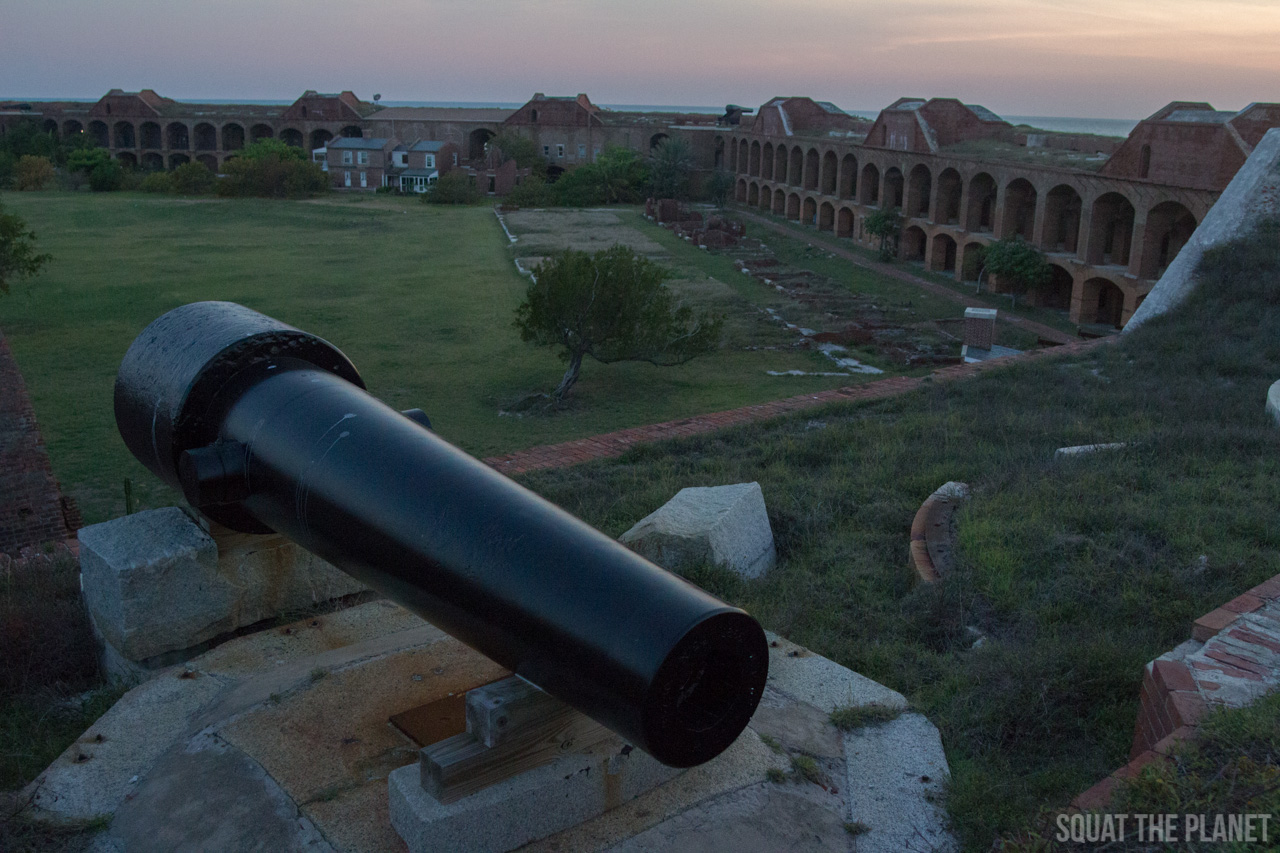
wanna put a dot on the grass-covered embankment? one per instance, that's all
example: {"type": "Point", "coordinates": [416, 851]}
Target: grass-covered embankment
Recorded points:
{"type": "Point", "coordinates": [1075, 573]}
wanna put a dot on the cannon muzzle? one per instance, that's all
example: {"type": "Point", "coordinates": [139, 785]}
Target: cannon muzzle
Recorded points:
{"type": "Point", "coordinates": [264, 427]}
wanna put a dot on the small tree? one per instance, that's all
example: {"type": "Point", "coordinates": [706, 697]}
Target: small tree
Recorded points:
{"type": "Point", "coordinates": [521, 149]}
{"type": "Point", "coordinates": [193, 178]}
{"type": "Point", "coordinates": [454, 187]}
{"type": "Point", "coordinates": [612, 306]}
{"type": "Point", "coordinates": [270, 168]}
{"type": "Point", "coordinates": [18, 256]}
{"type": "Point", "coordinates": [719, 185]}
{"type": "Point", "coordinates": [1018, 265]}
{"type": "Point", "coordinates": [887, 225]}
{"type": "Point", "coordinates": [33, 172]}
{"type": "Point", "coordinates": [671, 166]}
{"type": "Point", "coordinates": [106, 177]}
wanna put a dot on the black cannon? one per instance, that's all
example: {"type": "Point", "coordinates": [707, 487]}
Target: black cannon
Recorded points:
{"type": "Point", "coordinates": [264, 427]}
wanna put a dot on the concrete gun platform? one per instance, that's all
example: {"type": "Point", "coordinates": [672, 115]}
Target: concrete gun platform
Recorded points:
{"type": "Point", "coordinates": [281, 740]}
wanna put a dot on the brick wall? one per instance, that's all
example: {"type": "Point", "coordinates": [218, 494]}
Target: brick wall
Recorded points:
{"type": "Point", "coordinates": [32, 507]}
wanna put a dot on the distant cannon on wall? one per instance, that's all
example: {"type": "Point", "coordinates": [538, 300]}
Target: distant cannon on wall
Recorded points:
{"type": "Point", "coordinates": [264, 427]}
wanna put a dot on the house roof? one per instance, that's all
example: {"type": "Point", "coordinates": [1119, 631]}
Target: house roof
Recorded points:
{"type": "Point", "coordinates": [419, 173]}
{"type": "Point", "coordinates": [432, 145]}
{"type": "Point", "coordinates": [354, 142]}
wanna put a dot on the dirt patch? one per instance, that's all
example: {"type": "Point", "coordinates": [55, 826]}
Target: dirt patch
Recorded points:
{"type": "Point", "coordinates": [544, 232]}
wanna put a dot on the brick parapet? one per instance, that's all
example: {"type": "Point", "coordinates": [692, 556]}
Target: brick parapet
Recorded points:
{"type": "Point", "coordinates": [1232, 659]}
{"type": "Point", "coordinates": [33, 509]}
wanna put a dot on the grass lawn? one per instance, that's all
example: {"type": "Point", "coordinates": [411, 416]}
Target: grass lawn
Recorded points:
{"type": "Point", "coordinates": [1074, 573]}
{"type": "Point", "coordinates": [420, 297]}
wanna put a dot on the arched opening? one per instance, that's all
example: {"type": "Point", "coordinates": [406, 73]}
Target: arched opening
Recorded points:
{"type": "Point", "coordinates": [261, 131]}
{"type": "Point", "coordinates": [830, 173]}
{"type": "Point", "coordinates": [733, 155]}
{"type": "Point", "coordinates": [127, 159]}
{"type": "Point", "coordinates": [176, 160]}
{"type": "Point", "coordinates": [152, 162]}
{"type": "Point", "coordinates": [71, 127]}
{"type": "Point", "coordinates": [476, 142]}
{"type": "Point", "coordinates": [913, 243]}
{"type": "Point", "coordinates": [1144, 162]}
{"type": "Point", "coordinates": [811, 169]}
{"type": "Point", "coordinates": [795, 169]}
{"type": "Point", "coordinates": [779, 202]}
{"type": "Point", "coordinates": [1111, 233]}
{"type": "Point", "coordinates": [177, 136]}
{"type": "Point", "coordinates": [352, 132]}
{"type": "Point", "coordinates": [1019, 210]}
{"type": "Point", "coordinates": [766, 161]}
{"type": "Point", "coordinates": [718, 158]}
{"type": "Point", "coordinates": [826, 217]}
{"type": "Point", "coordinates": [1101, 301]}
{"type": "Point", "coordinates": [942, 254]}
{"type": "Point", "coordinates": [793, 206]}
{"type": "Point", "coordinates": [766, 199]}
{"type": "Point", "coordinates": [741, 193]}
{"type": "Point", "coordinates": [869, 194]}
{"type": "Point", "coordinates": [291, 136]}
{"type": "Point", "coordinates": [50, 127]}
{"type": "Point", "coordinates": [753, 164]}
{"type": "Point", "coordinates": [1062, 219]}
{"type": "Point", "coordinates": [554, 173]}
{"type": "Point", "coordinates": [753, 194]}
{"type": "Point", "coordinates": [124, 135]}
{"type": "Point", "coordinates": [1169, 227]}
{"type": "Point", "coordinates": [893, 194]}
{"type": "Point", "coordinates": [320, 138]}
{"type": "Point", "coordinates": [232, 137]}
{"type": "Point", "coordinates": [659, 138]}
{"type": "Point", "coordinates": [206, 138]}
{"type": "Point", "coordinates": [780, 164]}
{"type": "Point", "coordinates": [98, 134]}
{"type": "Point", "coordinates": [950, 189]}
{"type": "Point", "coordinates": [208, 161]}
{"type": "Point", "coordinates": [1055, 293]}
{"type": "Point", "coordinates": [848, 176]}
{"type": "Point", "coordinates": [150, 135]}
{"type": "Point", "coordinates": [844, 222]}
{"type": "Point", "coordinates": [971, 261]}
{"type": "Point", "coordinates": [919, 189]}
{"type": "Point", "coordinates": [981, 215]}
{"type": "Point", "coordinates": [744, 156]}
{"type": "Point", "coordinates": [808, 211]}
{"type": "Point", "coordinates": [533, 116]}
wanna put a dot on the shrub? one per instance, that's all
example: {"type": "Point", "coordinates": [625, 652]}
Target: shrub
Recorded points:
{"type": "Point", "coordinates": [532, 192]}
{"type": "Point", "coordinates": [192, 179]}
{"type": "Point", "coordinates": [32, 172]}
{"type": "Point", "coordinates": [107, 176]}
{"type": "Point", "coordinates": [452, 188]}
{"type": "Point", "coordinates": [157, 182]}
{"type": "Point", "coordinates": [271, 169]}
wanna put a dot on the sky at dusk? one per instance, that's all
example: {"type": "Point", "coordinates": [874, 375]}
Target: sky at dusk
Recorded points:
{"type": "Point", "coordinates": [1095, 58]}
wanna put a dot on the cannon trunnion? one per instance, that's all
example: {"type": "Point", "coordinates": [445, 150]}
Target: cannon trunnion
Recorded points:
{"type": "Point", "coordinates": [264, 427]}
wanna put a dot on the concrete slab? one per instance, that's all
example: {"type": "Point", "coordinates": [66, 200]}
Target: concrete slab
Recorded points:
{"type": "Point", "coordinates": [897, 772]}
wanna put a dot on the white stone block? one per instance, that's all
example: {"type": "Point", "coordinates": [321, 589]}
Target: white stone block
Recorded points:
{"type": "Point", "coordinates": [723, 525]}
{"type": "Point", "coordinates": [1273, 401]}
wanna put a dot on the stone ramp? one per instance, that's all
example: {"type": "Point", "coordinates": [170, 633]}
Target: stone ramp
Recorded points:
{"type": "Point", "coordinates": [280, 740]}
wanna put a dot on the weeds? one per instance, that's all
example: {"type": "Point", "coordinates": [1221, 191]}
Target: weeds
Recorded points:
{"type": "Point", "coordinates": [853, 717]}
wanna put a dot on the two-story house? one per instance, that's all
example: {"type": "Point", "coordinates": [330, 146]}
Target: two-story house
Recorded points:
{"type": "Point", "coordinates": [357, 163]}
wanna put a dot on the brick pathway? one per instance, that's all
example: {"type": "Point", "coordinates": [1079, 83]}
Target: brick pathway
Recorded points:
{"type": "Point", "coordinates": [613, 444]}
{"type": "Point", "coordinates": [32, 508]}
{"type": "Point", "coordinates": [1047, 333]}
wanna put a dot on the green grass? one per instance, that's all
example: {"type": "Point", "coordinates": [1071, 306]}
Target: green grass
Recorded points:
{"type": "Point", "coordinates": [420, 297]}
{"type": "Point", "coordinates": [852, 717]}
{"type": "Point", "coordinates": [1076, 572]}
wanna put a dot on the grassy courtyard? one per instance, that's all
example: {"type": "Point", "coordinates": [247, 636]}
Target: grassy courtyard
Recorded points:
{"type": "Point", "coordinates": [420, 297]}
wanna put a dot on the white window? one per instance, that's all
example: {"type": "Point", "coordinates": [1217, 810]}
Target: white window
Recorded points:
{"type": "Point", "coordinates": [364, 179]}
{"type": "Point", "coordinates": [582, 151]}
{"type": "Point", "coordinates": [346, 179]}
{"type": "Point", "coordinates": [560, 150]}
{"type": "Point", "coordinates": [431, 161]}
{"type": "Point", "coordinates": [346, 158]}
{"type": "Point", "coordinates": [363, 158]}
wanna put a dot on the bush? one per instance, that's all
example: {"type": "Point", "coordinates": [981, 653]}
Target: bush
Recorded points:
{"type": "Point", "coordinates": [271, 169]}
{"type": "Point", "coordinates": [452, 188]}
{"type": "Point", "coordinates": [33, 173]}
{"type": "Point", "coordinates": [157, 182]}
{"type": "Point", "coordinates": [532, 192]}
{"type": "Point", "coordinates": [106, 177]}
{"type": "Point", "coordinates": [192, 179]}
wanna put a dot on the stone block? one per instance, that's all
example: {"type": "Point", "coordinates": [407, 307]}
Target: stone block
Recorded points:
{"type": "Point", "coordinates": [722, 525]}
{"type": "Point", "coordinates": [155, 584]}
{"type": "Point", "coordinates": [1273, 401]}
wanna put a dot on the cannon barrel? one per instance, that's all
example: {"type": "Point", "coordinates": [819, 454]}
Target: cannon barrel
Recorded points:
{"type": "Point", "coordinates": [264, 427]}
